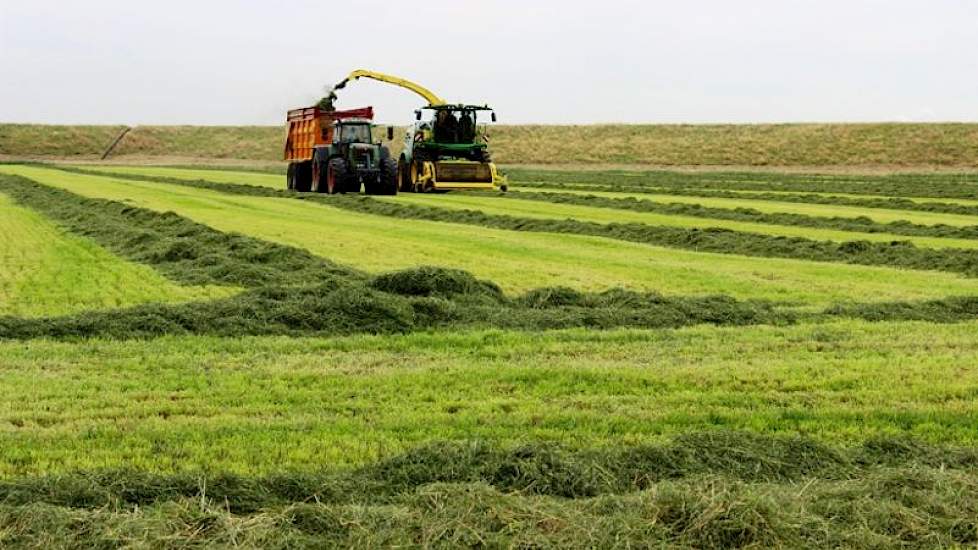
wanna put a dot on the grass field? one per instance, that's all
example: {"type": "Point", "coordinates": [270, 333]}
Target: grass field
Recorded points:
{"type": "Point", "coordinates": [441, 412]}
{"type": "Point", "coordinates": [546, 210]}
{"type": "Point", "coordinates": [519, 262]}
{"type": "Point", "coordinates": [876, 214]}
{"type": "Point", "coordinates": [355, 400]}
{"type": "Point", "coordinates": [47, 272]}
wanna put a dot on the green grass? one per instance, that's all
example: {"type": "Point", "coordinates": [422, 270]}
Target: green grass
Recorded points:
{"type": "Point", "coordinates": [515, 260]}
{"type": "Point", "coordinates": [955, 185]}
{"type": "Point", "coordinates": [275, 181]}
{"type": "Point", "coordinates": [841, 433]}
{"type": "Point", "coordinates": [763, 201]}
{"type": "Point", "coordinates": [548, 210]}
{"type": "Point", "coordinates": [876, 214]}
{"type": "Point", "coordinates": [863, 226]}
{"type": "Point", "coordinates": [257, 405]}
{"type": "Point", "coordinates": [46, 271]}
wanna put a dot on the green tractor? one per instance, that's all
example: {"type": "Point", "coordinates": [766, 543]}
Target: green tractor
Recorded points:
{"type": "Point", "coordinates": [352, 159]}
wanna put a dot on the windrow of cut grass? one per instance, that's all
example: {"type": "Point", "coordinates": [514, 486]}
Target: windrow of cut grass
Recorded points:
{"type": "Point", "coordinates": [901, 254]}
{"type": "Point", "coordinates": [180, 249]}
{"type": "Point", "coordinates": [520, 261]}
{"type": "Point", "coordinates": [940, 186]}
{"type": "Point", "coordinates": [670, 206]}
{"type": "Point", "coordinates": [885, 210]}
{"type": "Point", "coordinates": [743, 213]}
{"type": "Point", "coordinates": [721, 489]}
{"type": "Point", "coordinates": [265, 405]}
{"type": "Point", "coordinates": [882, 210]}
{"type": "Point", "coordinates": [295, 292]}
{"type": "Point", "coordinates": [886, 508]}
{"type": "Point", "coordinates": [560, 206]}
{"type": "Point", "coordinates": [740, 212]}
{"type": "Point", "coordinates": [894, 209]}
{"type": "Point", "coordinates": [45, 271]}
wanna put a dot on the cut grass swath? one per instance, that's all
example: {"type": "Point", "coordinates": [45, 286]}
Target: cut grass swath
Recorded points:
{"type": "Point", "coordinates": [896, 254]}
{"type": "Point", "coordinates": [521, 261]}
{"type": "Point", "coordinates": [44, 271]}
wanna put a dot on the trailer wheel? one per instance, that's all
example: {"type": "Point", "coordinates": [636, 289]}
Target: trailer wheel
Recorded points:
{"type": "Point", "coordinates": [303, 176]}
{"type": "Point", "coordinates": [336, 176]}
{"type": "Point", "coordinates": [318, 177]}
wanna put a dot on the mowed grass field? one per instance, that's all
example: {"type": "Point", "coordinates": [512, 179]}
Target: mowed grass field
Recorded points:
{"type": "Point", "coordinates": [263, 405]}
{"type": "Point", "coordinates": [810, 403]}
{"type": "Point", "coordinates": [517, 261]}
{"type": "Point", "coordinates": [44, 271]}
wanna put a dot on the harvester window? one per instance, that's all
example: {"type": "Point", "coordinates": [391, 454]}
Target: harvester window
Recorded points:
{"type": "Point", "coordinates": [446, 127]}
{"type": "Point", "coordinates": [466, 127]}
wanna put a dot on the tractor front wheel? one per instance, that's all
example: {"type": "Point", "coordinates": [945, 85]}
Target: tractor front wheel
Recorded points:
{"type": "Point", "coordinates": [336, 176]}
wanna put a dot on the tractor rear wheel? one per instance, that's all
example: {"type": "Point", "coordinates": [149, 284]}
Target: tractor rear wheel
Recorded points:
{"type": "Point", "coordinates": [388, 177]}
{"type": "Point", "coordinates": [336, 176]}
{"type": "Point", "coordinates": [302, 176]}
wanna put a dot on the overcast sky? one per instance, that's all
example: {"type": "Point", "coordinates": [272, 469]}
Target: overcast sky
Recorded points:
{"type": "Point", "coordinates": [547, 61]}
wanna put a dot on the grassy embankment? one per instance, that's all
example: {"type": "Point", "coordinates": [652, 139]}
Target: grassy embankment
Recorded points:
{"type": "Point", "coordinates": [889, 145]}
{"type": "Point", "coordinates": [519, 261]}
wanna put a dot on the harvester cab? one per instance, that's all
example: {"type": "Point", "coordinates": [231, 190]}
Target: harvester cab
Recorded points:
{"type": "Point", "coordinates": [448, 150]}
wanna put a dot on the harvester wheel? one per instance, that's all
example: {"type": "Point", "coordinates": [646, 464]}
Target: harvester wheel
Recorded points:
{"type": "Point", "coordinates": [415, 175]}
{"type": "Point", "coordinates": [302, 177]}
{"type": "Point", "coordinates": [290, 177]}
{"type": "Point", "coordinates": [336, 176]}
{"type": "Point", "coordinates": [388, 177]}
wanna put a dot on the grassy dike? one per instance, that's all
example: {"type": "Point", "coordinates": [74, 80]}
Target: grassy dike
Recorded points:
{"type": "Point", "coordinates": [860, 145]}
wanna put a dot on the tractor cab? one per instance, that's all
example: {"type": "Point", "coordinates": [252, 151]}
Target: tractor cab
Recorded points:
{"type": "Point", "coordinates": [354, 130]}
